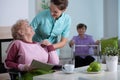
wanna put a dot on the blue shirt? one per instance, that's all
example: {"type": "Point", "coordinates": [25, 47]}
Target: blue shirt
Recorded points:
{"type": "Point", "coordinates": [46, 27]}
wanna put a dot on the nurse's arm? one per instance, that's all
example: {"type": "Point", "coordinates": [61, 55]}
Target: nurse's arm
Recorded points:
{"type": "Point", "coordinates": [60, 44]}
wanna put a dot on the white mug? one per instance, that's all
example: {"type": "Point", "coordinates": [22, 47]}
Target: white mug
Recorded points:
{"type": "Point", "coordinates": [68, 68]}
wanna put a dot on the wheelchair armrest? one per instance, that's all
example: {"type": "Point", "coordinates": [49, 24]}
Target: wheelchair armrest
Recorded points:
{"type": "Point", "coordinates": [14, 73]}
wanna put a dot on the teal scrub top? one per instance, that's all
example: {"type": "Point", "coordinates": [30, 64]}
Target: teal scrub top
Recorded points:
{"type": "Point", "coordinates": [46, 27]}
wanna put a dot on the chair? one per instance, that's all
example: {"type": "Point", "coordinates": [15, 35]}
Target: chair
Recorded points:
{"type": "Point", "coordinates": [2, 68]}
{"type": "Point", "coordinates": [15, 73]}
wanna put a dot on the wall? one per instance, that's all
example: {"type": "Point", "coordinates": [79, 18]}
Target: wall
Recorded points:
{"type": "Point", "coordinates": [119, 17]}
{"type": "Point", "coordinates": [10, 11]}
{"type": "Point", "coordinates": [119, 21]}
{"type": "Point", "coordinates": [88, 12]}
{"type": "Point", "coordinates": [111, 18]}
{"type": "Point", "coordinates": [32, 10]}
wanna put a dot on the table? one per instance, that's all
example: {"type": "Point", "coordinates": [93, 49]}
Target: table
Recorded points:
{"type": "Point", "coordinates": [5, 36]}
{"type": "Point", "coordinates": [80, 74]}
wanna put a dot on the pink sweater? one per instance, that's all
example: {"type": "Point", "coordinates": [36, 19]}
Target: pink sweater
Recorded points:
{"type": "Point", "coordinates": [20, 53]}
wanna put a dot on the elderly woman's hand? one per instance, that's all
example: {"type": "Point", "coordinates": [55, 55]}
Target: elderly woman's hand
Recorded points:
{"type": "Point", "coordinates": [27, 68]}
{"type": "Point", "coordinates": [97, 42]}
{"type": "Point", "coordinates": [71, 43]}
{"type": "Point", "coordinates": [46, 42]}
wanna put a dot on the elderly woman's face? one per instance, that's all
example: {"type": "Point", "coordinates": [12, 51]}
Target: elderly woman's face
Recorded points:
{"type": "Point", "coordinates": [55, 12]}
{"type": "Point", "coordinates": [27, 29]}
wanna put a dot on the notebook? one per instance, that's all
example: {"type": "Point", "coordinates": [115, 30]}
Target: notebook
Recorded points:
{"type": "Point", "coordinates": [44, 66]}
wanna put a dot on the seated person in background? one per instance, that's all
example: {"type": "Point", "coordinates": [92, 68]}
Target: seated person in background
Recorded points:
{"type": "Point", "coordinates": [22, 50]}
{"type": "Point", "coordinates": [83, 53]}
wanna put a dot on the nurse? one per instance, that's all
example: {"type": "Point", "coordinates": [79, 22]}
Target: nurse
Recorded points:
{"type": "Point", "coordinates": [53, 24]}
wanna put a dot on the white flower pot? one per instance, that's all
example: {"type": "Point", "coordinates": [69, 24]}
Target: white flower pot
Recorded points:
{"type": "Point", "coordinates": [111, 63]}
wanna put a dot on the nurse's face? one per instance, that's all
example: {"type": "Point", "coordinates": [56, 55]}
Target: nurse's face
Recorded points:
{"type": "Point", "coordinates": [55, 12]}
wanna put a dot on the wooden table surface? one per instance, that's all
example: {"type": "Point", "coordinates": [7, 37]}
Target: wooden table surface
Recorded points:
{"type": "Point", "coordinates": [5, 32]}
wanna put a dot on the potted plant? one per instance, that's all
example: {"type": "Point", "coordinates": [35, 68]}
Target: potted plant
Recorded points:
{"type": "Point", "coordinates": [112, 51]}
{"type": "Point", "coordinates": [112, 54]}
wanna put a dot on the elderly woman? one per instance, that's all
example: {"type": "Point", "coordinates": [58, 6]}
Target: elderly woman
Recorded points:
{"type": "Point", "coordinates": [22, 50]}
{"type": "Point", "coordinates": [83, 55]}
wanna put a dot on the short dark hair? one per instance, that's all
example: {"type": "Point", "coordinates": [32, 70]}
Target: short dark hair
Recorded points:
{"type": "Point", "coordinates": [81, 25]}
{"type": "Point", "coordinates": [61, 4]}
